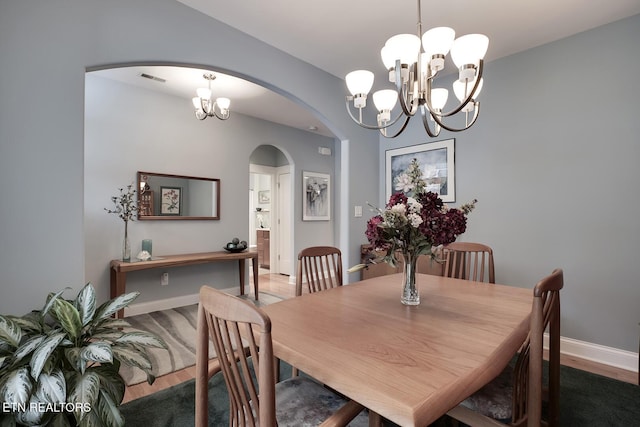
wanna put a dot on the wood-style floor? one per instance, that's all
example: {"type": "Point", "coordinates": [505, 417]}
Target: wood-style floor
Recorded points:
{"type": "Point", "coordinates": [279, 285]}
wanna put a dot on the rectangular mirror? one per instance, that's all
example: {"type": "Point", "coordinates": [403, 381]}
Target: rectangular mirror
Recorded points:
{"type": "Point", "coordinates": [171, 197]}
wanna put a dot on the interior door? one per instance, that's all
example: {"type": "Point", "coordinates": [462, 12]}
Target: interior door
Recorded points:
{"type": "Point", "coordinates": [284, 221]}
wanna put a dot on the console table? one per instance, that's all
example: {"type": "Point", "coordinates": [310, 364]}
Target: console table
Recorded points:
{"type": "Point", "coordinates": [119, 269]}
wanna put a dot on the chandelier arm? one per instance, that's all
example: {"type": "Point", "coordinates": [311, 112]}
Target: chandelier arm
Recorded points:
{"type": "Point", "coordinates": [370, 127]}
{"type": "Point", "coordinates": [425, 113]}
{"type": "Point", "coordinates": [401, 91]}
{"type": "Point", "coordinates": [404, 125]}
{"type": "Point", "coordinates": [201, 116]}
{"type": "Point", "coordinates": [440, 123]}
{"type": "Point", "coordinates": [469, 97]}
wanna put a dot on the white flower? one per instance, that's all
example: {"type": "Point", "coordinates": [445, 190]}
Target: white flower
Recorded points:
{"type": "Point", "coordinates": [400, 209]}
{"type": "Point", "coordinates": [415, 220]}
{"type": "Point", "coordinates": [414, 205]}
{"type": "Point", "coordinates": [404, 183]}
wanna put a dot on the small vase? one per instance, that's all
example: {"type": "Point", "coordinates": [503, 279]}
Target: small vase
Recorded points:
{"type": "Point", "coordinates": [410, 294]}
{"type": "Point", "coordinates": [126, 245]}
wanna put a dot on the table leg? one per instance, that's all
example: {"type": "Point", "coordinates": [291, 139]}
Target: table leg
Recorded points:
{"type": "Point", "coordinates": [241, 266]}
{"type": "Point", "coordinates": [375, 420]}
{"type": "Point", "coordinates": [254, 264]}
{"type": "Point", "coordinates": [118, 287]}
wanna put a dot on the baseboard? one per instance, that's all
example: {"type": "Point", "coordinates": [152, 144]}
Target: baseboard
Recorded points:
{"type": "Point", "coordinates": [168, 303]}
{"type": "Point", "coordinates": [610, 356]}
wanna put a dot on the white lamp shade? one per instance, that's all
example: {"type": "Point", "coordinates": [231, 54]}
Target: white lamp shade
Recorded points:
{"type": "Point", "coordinates": [385, 99]}
{"type": "Point", "coordinates": [196, 102]}
{"type": "Point", "coordinates": [438, 41]}
{"type": "Point", "coordinates": [461, 93]}
{"type": "Point", "coordinates": [469, 49]}
{"type": "Point", "coordinates": [387, 58]}
{"type": "Point", "coordinates": [203, 92]}
{"type": "Point", "coordinates": [359, 82]}
{"type": "Point", "coordinates": [405, 47]}
{"type": "Point", "coordinates": [439, 98]}
{"type": "Point", "coordinates": [223, 103]}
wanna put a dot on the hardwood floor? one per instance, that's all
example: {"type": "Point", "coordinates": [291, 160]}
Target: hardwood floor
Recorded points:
{"type": "Point", "coordinates": [279, 285]}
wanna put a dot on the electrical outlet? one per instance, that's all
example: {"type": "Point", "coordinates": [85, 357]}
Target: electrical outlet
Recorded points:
{"type": "Point", "coordinates": [164, 279]}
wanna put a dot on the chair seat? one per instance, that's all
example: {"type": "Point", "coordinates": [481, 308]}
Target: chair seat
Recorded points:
{"type": "Point", "coordinates": [494, 400]}
{"type": "Point", "coordinates": [302, 402]}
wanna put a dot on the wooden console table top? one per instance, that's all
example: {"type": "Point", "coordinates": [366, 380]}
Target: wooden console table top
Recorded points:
{"type": "Point", "coordinates": [119, 269]}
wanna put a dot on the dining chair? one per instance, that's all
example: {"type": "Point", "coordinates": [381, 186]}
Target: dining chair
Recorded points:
{"type": "Point", "coordinates": [320, 267]}
{"type": "Point", "coordinates": [515, 396]}
{"type": "Point", "coordinates": [241, 336]}
{"type": "Point", "coordinates": [470, 261]}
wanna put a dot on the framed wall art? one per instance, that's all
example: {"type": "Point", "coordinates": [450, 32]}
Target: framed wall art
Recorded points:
{"type": "Point", "coordinates": [264, 196]}
{"type": "Point", "coordinates": [171, 201]}
{"type": "Point", "coordinates": [316, 196]}
{"type": "Point", "coordinates": [437, 161]}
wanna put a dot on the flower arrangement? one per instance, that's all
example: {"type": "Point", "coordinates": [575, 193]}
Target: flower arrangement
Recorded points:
{"type": "Point", "coordinates": [126, 208]}
{"type": "Point", "coordinates": [415, 223]}
{"type": "Point", "coordinates": [125, 204]}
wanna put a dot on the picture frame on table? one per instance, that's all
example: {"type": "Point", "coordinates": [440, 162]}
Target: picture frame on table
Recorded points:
{"type": "Point", "coordinates": [171, 201]}
{"type": "Point", "coordinates": [437, 162]}
{"type": "Point", "coordinates": [316, 196]}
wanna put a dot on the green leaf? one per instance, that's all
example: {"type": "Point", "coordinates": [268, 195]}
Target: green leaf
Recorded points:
{"type": "Point", "coordinates": [110, 381]}
{"type": "Point", "coordinates": [50, 300]}
{"type": "Point", "coordinates": [16, 386]}
{"type": "Point", "coordinates": [68, 316]}
{"type": "Point", "coordinates": [142, 338]}
{"type": "Point", "coordinates": [115, 305]}
{"type": "Point", "coordinates": [52, 388]}
{"type": "Point", "coordinates": [59, 420]}
{"type": "Point", "coordinates": [132, 357]}
{"type": "Point", "coordinates": [42, 353]}
{"type": "Point", "coordinates": [107, 335]}
{"type": "Point", "coordinates": [113, 323]}
{"type": "Point", "coordinates": [108, 411]}
{"type": "Point", "coordinates": [99, 351]}
{"type": "Point", "coordinates": [74, 359]}
{"type": "Point", "coordinates": [84, 389]}
{"type": "Point", "coordinates": [10, 332]}
{"type": "Point", "coordinates": [86, 304]}
{"type": "Point", "coordinates": [28, 322]}
{"type": "Point", "coordinates": [27, 347]}
{"type": "Point", "coordinates": [32, 416]}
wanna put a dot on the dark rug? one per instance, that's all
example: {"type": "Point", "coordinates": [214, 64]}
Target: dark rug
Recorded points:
{"type": "Point", "coordinates": [586, 400]}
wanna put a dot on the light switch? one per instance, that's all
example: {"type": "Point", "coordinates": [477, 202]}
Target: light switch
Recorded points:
{"type": "Point", "coordinates": [358, 211]}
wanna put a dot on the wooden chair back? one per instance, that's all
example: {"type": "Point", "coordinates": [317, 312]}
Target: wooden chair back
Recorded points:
{"type": "Point", "coordinates": [320, 267]}
{"type": "Point", "coordinates": [527, 393]}
{"type": "Point", "coordinates": [238, 330]}
{"type": "Point", "coordinates": [470, 261]}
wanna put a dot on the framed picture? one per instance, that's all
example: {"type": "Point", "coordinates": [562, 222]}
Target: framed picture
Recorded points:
{"type": "Point", "coordinates": [264, 196]}
{"type": "Point", "coordinates": [170, 201]}
{"type": "Point", "coordinates": [316, 196]}
{"type": "Point", "coordinates": [437, 161]}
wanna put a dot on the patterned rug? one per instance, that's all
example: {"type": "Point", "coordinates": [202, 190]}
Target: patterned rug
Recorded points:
{"type": "Point", "coordinates": [177, 327]}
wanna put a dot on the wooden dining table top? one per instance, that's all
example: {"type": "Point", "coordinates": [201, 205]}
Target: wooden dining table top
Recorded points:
{"type": "Point", "coordinates": [409, 364]}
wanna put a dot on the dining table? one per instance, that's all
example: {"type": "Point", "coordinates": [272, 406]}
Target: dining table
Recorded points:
{"type": "Point", "coordinates": [407, 364]}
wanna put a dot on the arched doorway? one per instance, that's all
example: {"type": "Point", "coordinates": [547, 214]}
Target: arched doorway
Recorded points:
{"type": "Point", "coordinates": [270, 209]}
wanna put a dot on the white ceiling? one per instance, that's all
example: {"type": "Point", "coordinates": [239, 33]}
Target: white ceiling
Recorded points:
{"type": "Point", "coordinates": [355, 30]}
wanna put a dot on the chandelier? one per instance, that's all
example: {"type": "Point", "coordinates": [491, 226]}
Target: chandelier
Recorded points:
{"type": "Point", "coordinates": [413, 64]}
{"type": "Point", "coordinates": [206, 106]}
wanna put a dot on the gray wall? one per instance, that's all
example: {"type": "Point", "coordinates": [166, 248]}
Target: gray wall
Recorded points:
{"type": "Point", "coordinates": [129, 129]}
{"type": "Point", "coordinates": [48, 45]}
{"type": "Point", "coordinates": [553, 161]}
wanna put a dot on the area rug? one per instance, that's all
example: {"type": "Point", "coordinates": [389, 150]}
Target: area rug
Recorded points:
{"type": "Point", "coordinates": [586, 400]}
{"type": "Point", "coordinates": [177, 327]}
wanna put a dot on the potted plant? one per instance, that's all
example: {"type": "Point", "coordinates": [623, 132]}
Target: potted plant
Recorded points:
{"type": "Point", "coordinates": [59, 366]}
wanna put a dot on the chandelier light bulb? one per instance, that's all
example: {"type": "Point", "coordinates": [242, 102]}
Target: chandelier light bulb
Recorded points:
{"type": "Point", "coordinates": [404, 47]}
{"type": "Point", "coordinates": [223, 103]}
{"type": "Point", "coordinates": [439, 98]}
{"type": "Point", "coordinates": [436, 44]}
{"type": "Point", "coordinates": [204, 93]}
{"type": "Point", "coordinates": [196, 103]}
{"type": "Point", "coordinates": [359, 82]}
{"type": "Point", "coordinates": [385, 99]}
{"type": "Point", "coordinates": [469, 49]}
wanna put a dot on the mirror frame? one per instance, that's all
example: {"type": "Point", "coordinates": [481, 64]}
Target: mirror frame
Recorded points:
{"type": "Point", "coordinates": [176, 217]}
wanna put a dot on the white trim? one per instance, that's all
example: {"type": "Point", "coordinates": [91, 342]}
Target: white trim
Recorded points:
{"type": "Point", "coordinates": [168, 303]}
{"type": "Point", "coordinates": [627, 360]}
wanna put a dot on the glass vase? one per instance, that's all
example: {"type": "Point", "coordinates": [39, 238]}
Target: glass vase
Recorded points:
{"type": "Point", "coordinates": [410, 294]}
{"type": "Point", "coordinates": [126, 245]}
